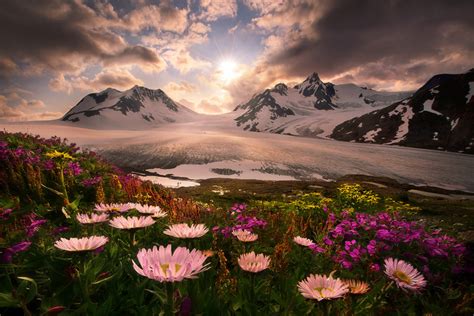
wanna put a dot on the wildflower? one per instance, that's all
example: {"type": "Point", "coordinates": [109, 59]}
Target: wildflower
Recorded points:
{"type": "Point", "coordinates": [55, 310]}
{"type": "Point", "coordinates": [48, 165]}
{"type": "Point", "coordinates": [132, 222]}
{"type": "Point", "coordinates": [371, 247]}
{"type": "Point", "coordinates": [357, 287]}
{"type": "Point", "coordinates": [5, 213]}
{"type": "Point", "coordinates": [321, 287]}
{"type": "Point", "coordinates": [303, 241]}
{"type": "Point", "coordinates": [74, 168]}
{"type": "Point", "coordinates": [113, 207]}
{"type": "Point", "coordinates": [92, 218]}
{"type": "Point", "coordinates": [91, 181]}
{"type": "Point", "coordinates": [208, 253]}
{"type": "Point", "coordinates": [316, 248]}
{"type": "Point", "coordinates": [154, 211]}
{"type": "Point", "coordinates": [59, 230]}
{"type": "Point", "coordinates": [163, 265]}
{"type": "Point", "coordinates": [245, 235]}
{"type": "Point", "coordinates": [34, 224]}
{"type": "Point", "coordinates": [60, 155]}
{"type": "Point", "coordinates": [404, 274]}
{"type": "Point", "coordinates": [7, 255]}
{"type": "Point", "coordinates": [252, 262]}
{"type": "Point", "coordinates": [374, 267]}
{"type": "Point", "coordinates": [81, 244]}
{"type": "Point", "coordinates": [186, 231]}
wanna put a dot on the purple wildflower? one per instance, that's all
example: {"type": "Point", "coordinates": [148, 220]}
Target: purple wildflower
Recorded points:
{"type": "Point", "coordinates": [5, 213]}
{"type": "Point", "coordinates": [7, 254]}
{"type": "Point", "coordinates": [91, 181]}
{"type": "Point", "coordinates": [74, 168]}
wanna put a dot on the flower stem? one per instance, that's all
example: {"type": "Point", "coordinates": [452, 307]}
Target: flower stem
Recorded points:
{"type": "Point", "coordinates": [253, 301]}
{"type": "Point", "coordinates": [63, 183]}
{"type": "Point", "coordinates": [169, 308]}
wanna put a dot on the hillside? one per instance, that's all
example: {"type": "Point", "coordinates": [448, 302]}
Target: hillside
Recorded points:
{"type": "Point", "coordinates": [439, 115]}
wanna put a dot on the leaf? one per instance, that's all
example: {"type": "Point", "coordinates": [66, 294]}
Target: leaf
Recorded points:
{"type": "Point", "coordinates": [103, 280]}
{"type": "Point", "coordinates": [7, 300]}
{"type": "Point", "coordinates": [52, 190]}
{"type": "Point", "coordinates": [27, 290]}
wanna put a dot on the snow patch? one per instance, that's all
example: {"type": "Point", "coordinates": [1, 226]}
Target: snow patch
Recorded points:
{"type": "Point", "coordinates": [370, 135]}
{"type": "Point", "coordinates": [471, 92]}
{"type": "Point", "coordinates": [406, 114]}
{"type": "Point", "coordinates": [428, 107]}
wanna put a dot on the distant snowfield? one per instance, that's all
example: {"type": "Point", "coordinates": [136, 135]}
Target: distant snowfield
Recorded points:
{"type": "Point", "coordinates": [210, 148]}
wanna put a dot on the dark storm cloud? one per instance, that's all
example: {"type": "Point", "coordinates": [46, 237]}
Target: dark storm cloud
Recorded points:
{"type": "Point", "coordinates": [62, 36]}
{"type": "Point", "coordinates": [390, 38]}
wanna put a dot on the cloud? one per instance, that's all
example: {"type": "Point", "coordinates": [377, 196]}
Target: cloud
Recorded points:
{"type": "Point", "coordinates": [164, 17]}
{"type": "Point", "coordinates": [115, 78]}
{"type": "Point", "coordinates": [57, 36]}
{"type": "Point", "coordinates": [15, 108]}
{"type": "Point", "coordinates": [183, 61]}
{"type": "Point", "coordinates": [215, 9]}
{"type": "Point", "coordinates": [135, 55]}
{"type": "Point", "coordinates": [374, 41]}
{"type": "Point", "coordinates": [213, 105]}
{"type": "Point", "coordinates": [182, 86]}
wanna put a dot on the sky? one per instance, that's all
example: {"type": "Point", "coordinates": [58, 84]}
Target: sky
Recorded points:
{"type": "Point", "coordinates": [211, 55]}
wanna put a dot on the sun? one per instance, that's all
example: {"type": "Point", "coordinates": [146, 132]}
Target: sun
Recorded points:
{"type": "Point", "coordinates": [228, 70]}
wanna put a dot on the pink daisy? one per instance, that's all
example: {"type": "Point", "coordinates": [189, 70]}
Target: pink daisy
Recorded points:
{"type": "Point", "coordinates": [81, 244]}
{"type": "Point", "coordinates": [321, 287]}
{"type": "Point", "coordinates": [92, 218]}
{"type": "Point", "coordinates": [131, 222]}
{"type": "Point", "coordinates": [306, 242]}
{"type": "Point", "coordinates": [163, 265]}
{"type": "Point", "coordinates": [113, 207]}
{"type": "Point", "coordinates": [244, 235]}
{"type": "Point", "coordinates": [154, 211]}
{"type": "Point", "coordinates": [404, 274]}
{"type": "Point", "coordinates": [186, 231]}
{"type": "Point", "coordinates": [252, 262]}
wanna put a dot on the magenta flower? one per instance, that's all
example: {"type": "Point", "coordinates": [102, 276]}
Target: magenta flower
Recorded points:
{"type": "Point", "coordinates": [7, 254]}
{"type": "Point", "coordinates": [34, 224]}
{"type": "Point", "coordinates": [4, 214]}
{"type": "Point", "coordinates": [73, 168]}
{"type": "Point", "coordinates": [91, 181]}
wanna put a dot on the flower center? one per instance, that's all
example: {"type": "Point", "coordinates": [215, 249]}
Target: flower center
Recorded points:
{"type": "Point", "coordinates": [402, 276]}
{"type": "Point", "coordinates": [321, 289]}
{"type": "Point", "coordinates": [165, 266]}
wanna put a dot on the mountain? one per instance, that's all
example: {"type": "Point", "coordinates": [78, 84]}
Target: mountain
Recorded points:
{"type": "Point", "coordinates": [311, 108]}
{"type": "Point", "coordinates": [439, 115]}
{"type": "Point", "coordinates": [136, 108]}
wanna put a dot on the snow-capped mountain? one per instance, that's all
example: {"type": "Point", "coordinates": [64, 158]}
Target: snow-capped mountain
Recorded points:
{"type": "Point", "coordinates": [439, 115]}
{"type": "Point", "coordinates": [311, 108]}
{"type": "Point", "coordinates": [136, 108]}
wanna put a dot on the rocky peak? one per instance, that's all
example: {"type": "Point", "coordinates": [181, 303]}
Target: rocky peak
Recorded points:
{"type": "Point", "coordinates": [280, 88]}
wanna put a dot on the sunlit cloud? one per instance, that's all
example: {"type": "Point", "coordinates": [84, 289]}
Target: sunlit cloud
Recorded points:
{"type": "Point", "coordinates": [214, 55]}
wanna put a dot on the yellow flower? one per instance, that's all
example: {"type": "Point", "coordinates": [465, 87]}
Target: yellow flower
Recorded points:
{"type": "Point", "coordinates": [58, 154]}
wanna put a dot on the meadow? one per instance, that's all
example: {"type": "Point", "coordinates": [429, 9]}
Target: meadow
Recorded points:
{"type": "Point", "coordinates": [79, 236]}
